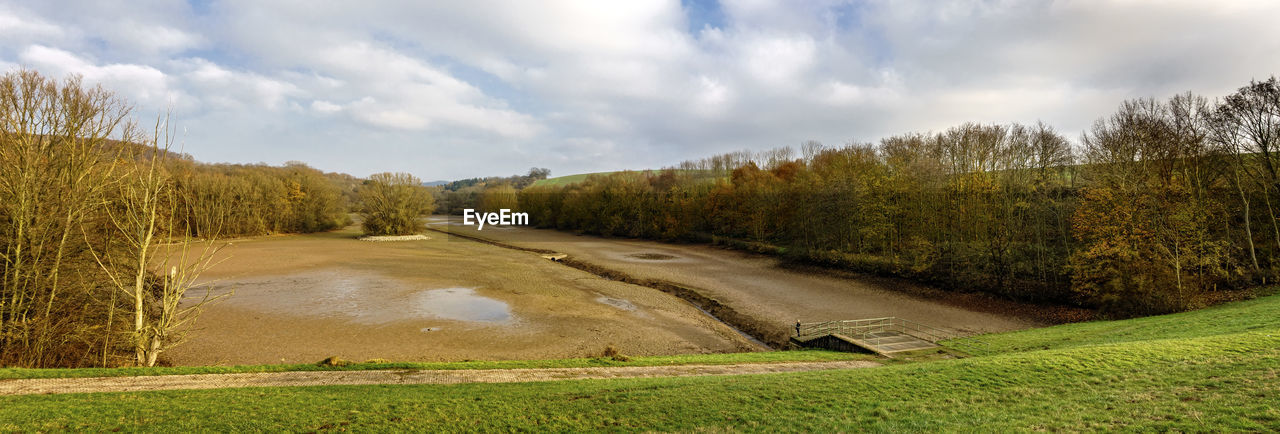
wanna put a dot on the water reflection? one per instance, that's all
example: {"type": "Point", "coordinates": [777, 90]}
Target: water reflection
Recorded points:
{"type": "Point", "coordinates": [365, 298]}
{"type": "Point", "coordinates": [460, 304]}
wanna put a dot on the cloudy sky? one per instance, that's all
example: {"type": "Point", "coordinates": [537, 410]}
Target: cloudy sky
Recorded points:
{"type": "Point", "coordinates": [448, 89]}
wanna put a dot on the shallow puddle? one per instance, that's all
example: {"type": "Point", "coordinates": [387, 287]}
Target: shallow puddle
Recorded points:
{"type": "Point", "coordinates": [365, 298]}
{"type": "Point", "coordinates": [617, 302]}
{"type": "Point", "coordinates": [460, 304]}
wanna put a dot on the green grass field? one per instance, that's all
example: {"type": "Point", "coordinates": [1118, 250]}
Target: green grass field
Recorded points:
{"type": "Point", "coordinates": [574, 179]}
{"type": "Point", "coordinates": [566, 180]}
{"type": "Point", "coordinates": [1261, 314]}
{"type": "Point", "coordinates": [1210, 370]}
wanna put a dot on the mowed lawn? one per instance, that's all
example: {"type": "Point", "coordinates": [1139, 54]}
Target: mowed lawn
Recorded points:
{"type": "Point", "coordinates": [1261, 314]}
{"type": "Point", "coordinates": [1165, 375]}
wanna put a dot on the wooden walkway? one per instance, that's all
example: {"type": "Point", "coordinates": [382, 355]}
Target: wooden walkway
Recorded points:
{"type": "Point", "coordinates": [888, 342]}
{"type": "Point", "coordinates": [883, 336]}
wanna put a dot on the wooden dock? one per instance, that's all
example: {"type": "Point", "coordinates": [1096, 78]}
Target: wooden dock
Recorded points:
{"type": "Point", "coordinates": [883, 336]}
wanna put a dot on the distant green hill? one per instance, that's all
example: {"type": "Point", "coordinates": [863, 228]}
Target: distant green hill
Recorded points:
{"type": "Point", "coordinates": [565, 180]}
{"type": "Point", "coordinates": [574, 179]}
{"type": "Point", "coordinates": [571, 179]}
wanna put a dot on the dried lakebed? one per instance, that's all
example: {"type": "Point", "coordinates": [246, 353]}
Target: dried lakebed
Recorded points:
{"type": "Point", "coordinates": [752, 292]}
{"type": "Point", "coordinates": [302, 298]}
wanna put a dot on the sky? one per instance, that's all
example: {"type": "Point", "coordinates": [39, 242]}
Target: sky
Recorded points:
{"type": "Point", "coordinates": [450, 90]}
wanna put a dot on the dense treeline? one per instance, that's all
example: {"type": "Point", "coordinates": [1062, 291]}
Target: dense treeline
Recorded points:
{"type": "Point", "coordinates": [1163, 204]}
{"type": "Point", "coordinates": [234, 200]}
{"type": "Point", "coordinates": [90, 205]}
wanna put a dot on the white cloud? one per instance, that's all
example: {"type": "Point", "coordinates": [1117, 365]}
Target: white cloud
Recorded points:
{"type": "Point", "coordinates": [139, 83]}
{"type": "Point", "coordinates": [325, 107]}
{"type": "Point", "coordinates": [456, 89]}
{"type": "Point", "coordinates": [21, 26]}
{"type": "Point", "coordinates": [149, 39]}
{"type": "Point", "coordinates": [399, 91]}
{"type": "Point", "coordinates": [778, 61]}
{"type": "Point", "coordinates": [228, 89]}
{"type": "Point", "coordinates": [712, 97]}
{"type": "Point", "coordinates": [838, 93]}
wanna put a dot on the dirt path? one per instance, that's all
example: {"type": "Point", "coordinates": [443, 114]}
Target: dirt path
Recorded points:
{"type": "Point", "coordinates": [331, 378]}
{"type": "Point", "coordinates": [765, 298]}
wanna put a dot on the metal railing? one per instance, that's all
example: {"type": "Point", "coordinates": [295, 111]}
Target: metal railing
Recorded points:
{"type": "Point", "coordinates": [873, 331]}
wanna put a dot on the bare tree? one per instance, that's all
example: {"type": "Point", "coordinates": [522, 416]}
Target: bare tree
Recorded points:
{"type": "Point", "coordinates": [810, 149]}
{"type": "Point", "coordinates": [144, 219]}
{"type": "Point", "coordinates": [1247, 125]}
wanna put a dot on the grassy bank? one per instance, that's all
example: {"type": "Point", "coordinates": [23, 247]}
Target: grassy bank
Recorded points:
{"type": "Point", "coordinates": [1211, 383]}
{"type": "Point", "coordinates": [1212, 370]}
{"type": "Point", "coordinates": [1260, 314]}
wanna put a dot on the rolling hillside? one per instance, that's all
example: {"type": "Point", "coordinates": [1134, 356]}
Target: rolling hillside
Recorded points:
{"type": "Point", "coordinates": [573, 179]}
{"type": "Point", "coordinates": [567, 179]}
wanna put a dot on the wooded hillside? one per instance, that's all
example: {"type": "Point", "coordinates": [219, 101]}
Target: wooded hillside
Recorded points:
{"type": "Point", "coordinates": [1162, 206]}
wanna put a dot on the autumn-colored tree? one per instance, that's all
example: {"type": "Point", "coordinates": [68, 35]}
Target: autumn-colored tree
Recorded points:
{"type": "Point", "coordinates": [1165, 201]}
{"type": "Point", "coordinates": [498, 197]}
{"type": "Point", "coordinates": [1158, 247]}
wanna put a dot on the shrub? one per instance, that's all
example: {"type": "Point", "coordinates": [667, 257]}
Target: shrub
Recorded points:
{"type": "Point", "coordinates": [391, 204]}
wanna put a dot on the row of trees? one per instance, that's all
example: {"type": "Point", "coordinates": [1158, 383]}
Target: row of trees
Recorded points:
{"type": "Point", "coordinates": [236, 200]}
{"type": "Point", "coordinates": [1163, 202]}
{"type": "Point", "coordinates": [104, 233]}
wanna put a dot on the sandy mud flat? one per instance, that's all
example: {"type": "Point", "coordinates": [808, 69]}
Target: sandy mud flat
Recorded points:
{"type": "Point", "coordinates": [302, 298]}
{"type": "Point", "coordinates": [753, 285]}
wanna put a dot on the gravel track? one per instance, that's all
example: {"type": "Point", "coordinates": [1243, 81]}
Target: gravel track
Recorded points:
{"type": "Point", "coordinates": [459, 376]}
